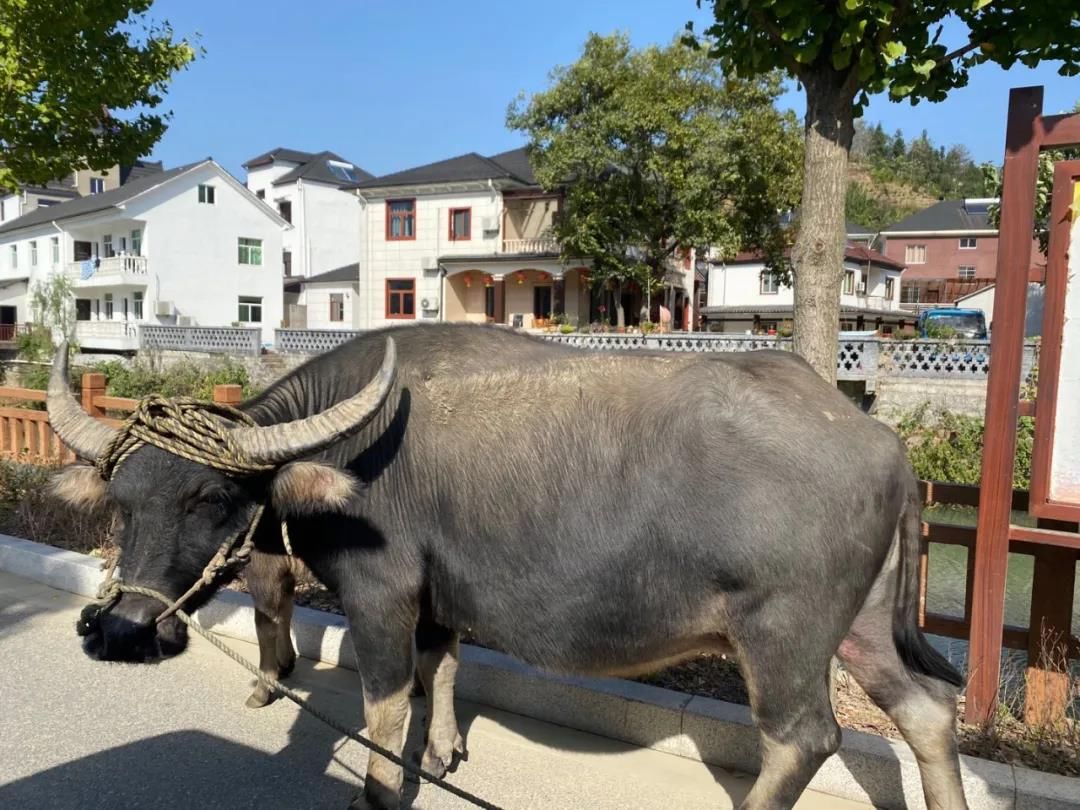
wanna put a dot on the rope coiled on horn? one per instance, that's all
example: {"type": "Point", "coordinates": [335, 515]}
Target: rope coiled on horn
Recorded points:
{"type": "Point", "coordinates": [184, 426]}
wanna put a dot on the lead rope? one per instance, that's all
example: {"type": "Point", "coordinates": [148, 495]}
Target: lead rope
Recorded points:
{"type": "Point", "coordinates": [196, 430]}
{"type": "Point", "coordinates": [281, 689]}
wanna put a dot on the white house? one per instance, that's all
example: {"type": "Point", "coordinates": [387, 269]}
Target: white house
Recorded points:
{"type": "Point", "coordinates": [187, 246]}
{"type": "Point", "coordinates": [305, 189]}
{"type": "Point", "coordinates": [465, 239]}
{"type": "Point", "coordinates": [743, 296]}
{"type": "Point", "coordinates": [330, 300]}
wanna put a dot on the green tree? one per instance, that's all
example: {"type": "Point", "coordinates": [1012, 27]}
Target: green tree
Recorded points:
{"type": "Point", "coordinates": [664, 154]}
{"type": "Point", "coordinates": [1044, 189]}
{"type": "Point", "coordinates": [79, 83]}
{"type": "Point", "coordinates": [841, 52]}
{"type": "Point", "coordinates": [52, 303]}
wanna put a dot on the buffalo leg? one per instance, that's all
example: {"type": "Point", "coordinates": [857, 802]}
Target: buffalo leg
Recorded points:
{"type": "Point", "coordinates": [923, 707]}
{"type": "Point", "coordinates": [437, 663]}
{"type": "Point", "coordinates": [792, 708]}
{"type": "Point", "coordinates": [383, 641]}
{"type": "Point", "coordinates": [271, 583]}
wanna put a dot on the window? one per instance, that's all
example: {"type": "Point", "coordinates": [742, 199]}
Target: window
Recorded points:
{"type": "Point", "coordinates": [400, 219]}
{"type": "Point", "coordinates": [915, 254]}
{"type": "Point", "coordinates": [286, 261]}
{"type": "Point", "coordinates": [343, 171]}
{"type": "Point", "coordinates": [541, 302]}
{"type": "Point", "coordinates": [460, 224]}
{"type": "Point", "coordinates": [770, 283]}
{"type": "Point", "coordinates": [890, 285]}
{"type": "Point", "coordinates": [108, 306]}
{"type": "Point", "coordinates": [137, 304]}
{"type": "Point", "coordinates": [261, 193]}
{"type": "Point", "coordinates": [968, 242]}
{"type": "Point", "coordinates": [206, 194]}
{"type": "Point", "coordinates": [123, 245]}
{"type": "Point", "coordinates": [967, 272]}
{"type": "Point", "coordinates": [400, 298]}
{"type": "Point", "coordinates": [337, 306]}
{"type": "Point", "coordinates": [106, 246]}
{"type": "Point", "coordinates": [14, 257]}
{"type": "Point", "coordinates": [849, 282]}
{"type": "Point", "coordinates": [33, 253]}
{"type": "Point", "coordinates": [909, 294]}
{"type": "Point", "coordinates": [54, 243]}
{"type": "Point", "coordinates": [126, 311]}
{"type": "Point", "coordinates": [250, 251]}
{"type": "Point", "coordinates": [285, 209]}
{"type": "Point", "coordinates": [250, 309]}
{"type": "Point", "coordinates": [97, 185]}
{"type": "Point", "coordinates": [82, 309]}
{"type": "Point", "coordinates": [136, 241]}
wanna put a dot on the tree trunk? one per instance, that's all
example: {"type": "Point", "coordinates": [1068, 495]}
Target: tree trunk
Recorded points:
{"type": "Point", "coordinates": [818, 255]}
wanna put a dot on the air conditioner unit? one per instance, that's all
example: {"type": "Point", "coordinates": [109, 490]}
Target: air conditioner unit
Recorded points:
{"type": "Point", "coordinates": [489, 224]}
{"type": "Point", "coordinates": [430, 303]}
{"type": "Point", "coordinates": [185, 320]}
{"type": "Point", "coordinates": [164, 309]}
{"type": "Point", "coordinates": [429, 263]}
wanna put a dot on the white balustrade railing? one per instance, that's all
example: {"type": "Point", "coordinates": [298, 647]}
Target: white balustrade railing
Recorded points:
{"type": "Point", "coordinates": [118, 267]}
{"type": "Point", "coordinates": [536, 244]}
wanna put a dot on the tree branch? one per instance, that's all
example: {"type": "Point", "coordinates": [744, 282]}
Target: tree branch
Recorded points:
{"type": "Point", "coordinates": [966, 49]}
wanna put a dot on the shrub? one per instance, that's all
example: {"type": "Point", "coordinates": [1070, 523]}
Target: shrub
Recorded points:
{"type": "Point", "coordinates": [184, 379]}
{"type": "Point", "coordinates": [28, 509]}
{"type": "Point", "coordinates": [945, 446]}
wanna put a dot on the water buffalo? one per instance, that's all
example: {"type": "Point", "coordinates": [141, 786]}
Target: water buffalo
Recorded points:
{"type": "Point", "coordinates": [586, 512]}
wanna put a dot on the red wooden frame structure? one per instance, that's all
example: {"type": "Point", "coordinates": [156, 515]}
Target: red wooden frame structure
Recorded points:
{"type": "Point", "coordinates": [1028, 133]}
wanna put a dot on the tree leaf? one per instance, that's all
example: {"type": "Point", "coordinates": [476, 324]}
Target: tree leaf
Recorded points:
{"type": "Point", "coordinates": [893, 50]}
{"type": "Point", "coordinates": [924, 68]}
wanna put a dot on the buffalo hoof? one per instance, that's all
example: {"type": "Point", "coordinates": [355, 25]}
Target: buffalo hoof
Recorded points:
{"type": "Point", "coordinates": [375, 797]}
{"type": "Point", "coordinates": [260, 697]}
{"type": "Point", "coordinates": [440, 758]}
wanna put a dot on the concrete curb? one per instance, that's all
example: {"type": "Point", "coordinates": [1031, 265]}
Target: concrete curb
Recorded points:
{"type": "Point", "coordinates": [867, 768]}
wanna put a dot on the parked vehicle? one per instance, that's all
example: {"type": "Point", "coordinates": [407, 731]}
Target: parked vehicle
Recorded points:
{"type": "Point", "coordinates": [953, 322]}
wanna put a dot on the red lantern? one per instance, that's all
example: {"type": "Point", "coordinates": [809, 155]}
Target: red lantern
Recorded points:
{"type": "Point", "coordinates": [543, 276]}
{"type": "Point", "coordinates": [489, 280]}
{"type": "Point", "coordinates": [520, 276]}
{"type": "Point", "coordinates": [468, 279]}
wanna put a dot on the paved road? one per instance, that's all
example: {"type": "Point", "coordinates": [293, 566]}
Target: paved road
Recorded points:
{"type": "Point", "coordinates": [81, 734]}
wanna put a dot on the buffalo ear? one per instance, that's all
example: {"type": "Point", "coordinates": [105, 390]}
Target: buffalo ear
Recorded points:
{"type": "Point", "coordinates": [80, 486]}
{"type": "Point", "coordinates": [305, 488]}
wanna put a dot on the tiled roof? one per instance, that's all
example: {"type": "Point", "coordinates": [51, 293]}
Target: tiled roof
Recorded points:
{"type": "Point", "coordinates": [280, 153]}
{"type": "Point", "coordinates": [513, 166]}
{"type": "Point", "coordinates": [319, 170]}
{"type": "Point", "coordinates": [947, 215]}
{"type": "Point", "coordinates": [350, 272]}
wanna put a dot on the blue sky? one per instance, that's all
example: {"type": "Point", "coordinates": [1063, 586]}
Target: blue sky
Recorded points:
{"type": "Point", "coordinates": [391, 85]}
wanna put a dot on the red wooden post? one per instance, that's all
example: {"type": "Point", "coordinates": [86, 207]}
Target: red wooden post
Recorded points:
{"type": "Point", "coordinates": [93, 386]}
{"type": "Point", "coordinates": [1002, 401]}
{"type": "Point", "coordinates": [229, 394]}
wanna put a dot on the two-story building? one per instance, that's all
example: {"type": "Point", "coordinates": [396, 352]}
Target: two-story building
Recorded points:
{"type": "Point", "coordinates": [186, 246]}
{"type": "Point", "coordinates": [464, 239]}
{"type": "Point", "coordinates": [743, 295]}
{"type": "Point", "coordinates": [306, 190]}
{"type": "Point", "coordinates": [949, 250]}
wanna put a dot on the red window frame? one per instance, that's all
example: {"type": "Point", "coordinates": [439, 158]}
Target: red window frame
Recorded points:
{"type": "Point", "coordinates": [401, 315]}
{"type": "Point", "coordinates": [391, 215]}
{"type": "Point", "coordinates": [454, 237]}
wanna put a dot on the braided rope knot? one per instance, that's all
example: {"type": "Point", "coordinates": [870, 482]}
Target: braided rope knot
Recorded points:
{"type": "Point", "coordinates": [194, 429]}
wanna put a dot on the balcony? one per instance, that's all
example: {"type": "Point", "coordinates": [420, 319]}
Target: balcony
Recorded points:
{"type": "Point", "coordinates": [109, 272]}
{"type": "Point", "coordinates": [536, 245]}
{"type": "Point", "coordinates": [875, 302]}
{"type": "Point", "coordinates": [115, 335]}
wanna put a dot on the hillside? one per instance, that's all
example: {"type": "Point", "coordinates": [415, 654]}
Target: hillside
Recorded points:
{"type": "Point", "coordinates": [890, 178]}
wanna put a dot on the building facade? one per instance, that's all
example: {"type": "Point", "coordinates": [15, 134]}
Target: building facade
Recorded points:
{"type": "Point", "coordinates": [187, 246]}
{"type": "Point", "coordinates": [744, 296]}
{"type": "Point", "coordinates": [305, 188]}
